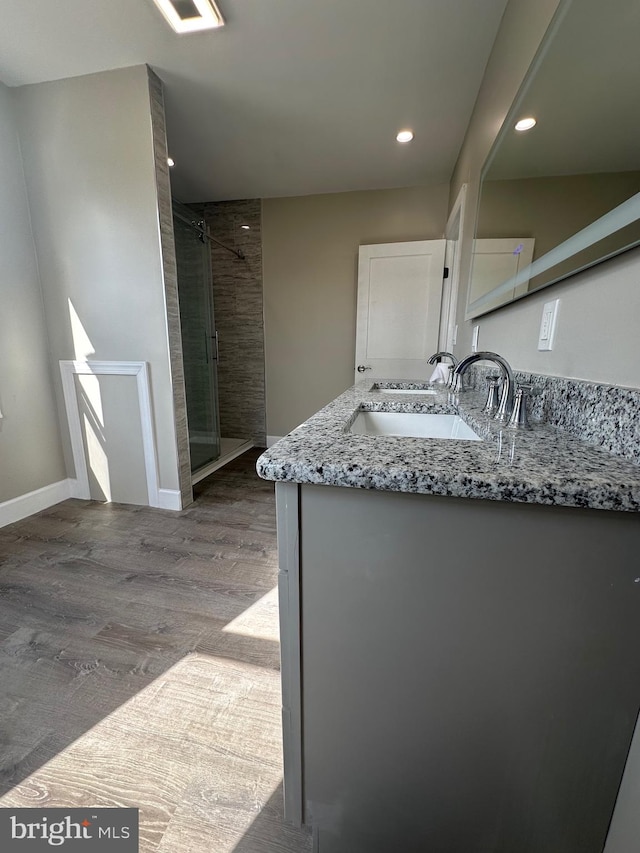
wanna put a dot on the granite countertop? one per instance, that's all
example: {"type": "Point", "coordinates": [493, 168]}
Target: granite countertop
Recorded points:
{"type": "Point", "coordinates": [542, 465]}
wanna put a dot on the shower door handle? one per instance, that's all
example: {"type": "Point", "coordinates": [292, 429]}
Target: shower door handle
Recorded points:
{"type": "Point", "coordinates": [214, 338]}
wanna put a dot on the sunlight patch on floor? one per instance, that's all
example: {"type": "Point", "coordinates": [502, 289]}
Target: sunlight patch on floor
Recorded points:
{"type": "Point", "coordinates": [205, 734]}
{"type": "Point", "coordinates": [260, 620]}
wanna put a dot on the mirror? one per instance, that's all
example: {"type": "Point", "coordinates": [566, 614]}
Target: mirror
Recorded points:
{"type": "Point", "coordinates": [565, 194]}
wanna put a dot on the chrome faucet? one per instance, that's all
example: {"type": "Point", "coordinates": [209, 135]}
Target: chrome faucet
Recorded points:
{"type": "Point", "coordinates": [506, 399]}
{"type": "Point", "coordinates": [440, 355]}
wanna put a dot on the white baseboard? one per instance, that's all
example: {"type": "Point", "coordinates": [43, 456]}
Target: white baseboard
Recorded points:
{"type": "Point", "coordinates": [77, 490]}
{"type": "Point", "coordinates": [25, 505]}
{"type": "Point", "coordinates": [169, 499]}
{"type": "Point", "coordinates": [271, 439]}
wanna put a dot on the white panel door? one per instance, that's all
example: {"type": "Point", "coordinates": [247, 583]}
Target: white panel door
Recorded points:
{"type": "Point", "coordinates": [399, 295]}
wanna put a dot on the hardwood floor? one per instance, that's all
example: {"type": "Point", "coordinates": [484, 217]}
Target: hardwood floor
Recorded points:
{"type": "Point", "coordinates": [139, 666]}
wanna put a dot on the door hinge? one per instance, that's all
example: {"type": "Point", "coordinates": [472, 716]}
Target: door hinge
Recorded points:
{"type": "Point", "coordinates": [445, 274]}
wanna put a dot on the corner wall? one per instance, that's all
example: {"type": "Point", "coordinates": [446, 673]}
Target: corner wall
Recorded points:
{"type": "Point", "coordinates": [310, 262]}
{"type": "Point", "coordinates": [597, 336]}
{"type": "Point", "coordinates": [87, 146]}
{"type": "Point", "coordinates": [30, 446]}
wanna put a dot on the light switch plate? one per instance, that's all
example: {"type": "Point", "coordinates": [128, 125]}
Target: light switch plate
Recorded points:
{"type": "Point", "coordinates": [474, 340]}
{"type": "Point", "coordinates": [548, 325]}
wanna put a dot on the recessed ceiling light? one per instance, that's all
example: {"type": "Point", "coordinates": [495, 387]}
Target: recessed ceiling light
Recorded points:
{"type": "Point", "coordinates": [405, 136]}
{"type": "Point", "coordinates": [245, 227]}
{"type": "Point", "coordinates": [171, 161]}
{"type": "Point", "coordinates": [525, 124]}
{"type": "Point", "coordinates": [190, 16]}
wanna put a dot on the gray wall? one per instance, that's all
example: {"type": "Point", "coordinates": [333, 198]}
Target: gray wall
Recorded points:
{"type": "Point", "coordinates": [597, 335]}
{"type": "Point", "coordinates": [30, 449]}
{"type": "Point", "coordinates": [310, 251]}
{"type": "Point", "coordinates": [238, 308]}
{"type": "Point", "coordinates": [88, 152]}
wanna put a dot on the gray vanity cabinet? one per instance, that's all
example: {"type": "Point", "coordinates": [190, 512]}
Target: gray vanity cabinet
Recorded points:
{"type": "Point", "coordinates": [459, 676]}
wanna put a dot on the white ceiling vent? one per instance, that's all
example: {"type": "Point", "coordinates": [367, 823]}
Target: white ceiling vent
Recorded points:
{"type": "Point", "coordinates": [189, 16]}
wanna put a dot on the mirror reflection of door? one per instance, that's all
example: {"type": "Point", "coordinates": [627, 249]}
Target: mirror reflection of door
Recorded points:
{"type": "Point", "coordinates": [398, 316]}
{"type": "Point", "coordinates": [496, 262]}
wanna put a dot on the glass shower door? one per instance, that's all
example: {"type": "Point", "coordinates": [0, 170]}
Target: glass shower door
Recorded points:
{"type": "Point", "coordinates": [199, 341]}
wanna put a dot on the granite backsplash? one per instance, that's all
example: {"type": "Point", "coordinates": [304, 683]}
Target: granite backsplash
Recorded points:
{"type": "Point", "coordinates": [603, 415]}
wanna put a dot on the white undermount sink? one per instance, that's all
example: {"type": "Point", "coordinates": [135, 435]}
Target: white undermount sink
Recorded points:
{"type": "Point", "coordinates": [392, 388]}
{"type": "Point", "coordinates": [421, 391]}
{"type": "Point", "coordinates": [414, 425]}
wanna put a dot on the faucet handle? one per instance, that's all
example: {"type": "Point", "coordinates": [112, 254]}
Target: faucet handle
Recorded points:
{"type": "Point", "coordinates": [455, 383]}
{"type": "Point", "coordinates": [519, 419]}
{"type": "Point", "coordinates": [450, 377]}
{"type": "Point", "coordinates": [493, 394]}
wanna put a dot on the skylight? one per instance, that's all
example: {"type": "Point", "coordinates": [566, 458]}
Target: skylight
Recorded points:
{"type": "Point", "coordinates": [189, 16]}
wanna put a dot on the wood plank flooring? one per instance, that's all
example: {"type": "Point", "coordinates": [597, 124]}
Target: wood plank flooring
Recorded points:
{"type": "Point", "coordinates": [139, 666]}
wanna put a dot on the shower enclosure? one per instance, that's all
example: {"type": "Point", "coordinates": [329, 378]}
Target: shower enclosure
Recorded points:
{"type": "Point", "coordinates": [199, 338]}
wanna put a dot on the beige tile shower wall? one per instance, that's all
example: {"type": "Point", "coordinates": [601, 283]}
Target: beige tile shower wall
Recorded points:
{"type": "Point", "coordinates": [238, 308]}
{"type": "Point", "coordinates": [195, 337]}
{"type": "Point", "coordinates": [165, 215]}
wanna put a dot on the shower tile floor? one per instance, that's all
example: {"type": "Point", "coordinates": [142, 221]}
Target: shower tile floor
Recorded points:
{"type": "Point", "coordinates": [201, 463]}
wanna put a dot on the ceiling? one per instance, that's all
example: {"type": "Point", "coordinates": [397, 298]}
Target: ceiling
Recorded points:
{"type": "Point", "coordinates": [291, 97]}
